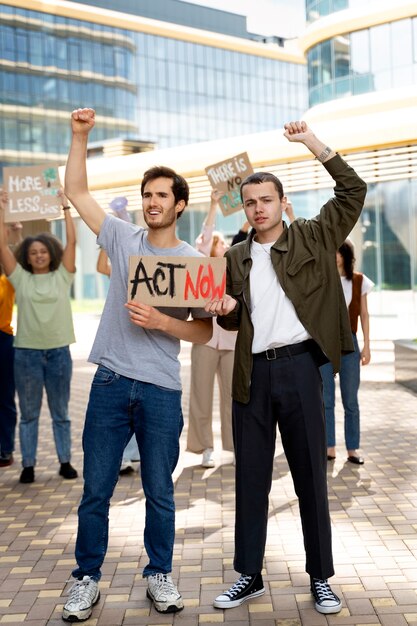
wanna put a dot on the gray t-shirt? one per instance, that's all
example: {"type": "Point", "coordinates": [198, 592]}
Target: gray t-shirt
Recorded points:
{"type": "Point", "coordinates": [146, 355]}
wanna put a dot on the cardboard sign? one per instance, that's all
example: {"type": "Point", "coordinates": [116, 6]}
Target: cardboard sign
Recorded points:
{"type": "Point", "coordinates": [32, 193]}
{"type": "Point", "coordinates": [176, 281]}
{"type": "Point", "coordinates": [227, 176]}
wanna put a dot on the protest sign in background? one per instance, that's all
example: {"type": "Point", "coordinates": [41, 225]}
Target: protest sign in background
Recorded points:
{"type": "Point", "coordinates": [227, 176]}
{"type": "Point", "coordinates": [32, 193]}
{"type": "Point", "coordinates": [176, 281]}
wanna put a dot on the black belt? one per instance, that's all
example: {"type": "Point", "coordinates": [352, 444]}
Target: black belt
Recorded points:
{"type": "Point", "coordinates": [291, 350]}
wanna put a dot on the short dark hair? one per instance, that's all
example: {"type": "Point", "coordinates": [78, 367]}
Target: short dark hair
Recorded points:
{"type": "Point", "coordinates": [180, 187]}
{"type": "Point", "coordinates": [347, 252]}
{"type": "Point", "coordinates": [53, 245]}
{"type": "Point", "coordinates": [263, 177]}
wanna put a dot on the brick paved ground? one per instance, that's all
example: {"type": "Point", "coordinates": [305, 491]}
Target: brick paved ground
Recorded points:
{"type": "Point", "coordinates": [374, 514]}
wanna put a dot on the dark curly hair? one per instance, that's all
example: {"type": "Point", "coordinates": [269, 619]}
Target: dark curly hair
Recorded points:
{"type": "Point", "coordinates": [53, 245]}
{"type": "Point", "coordinates": [347, 252]}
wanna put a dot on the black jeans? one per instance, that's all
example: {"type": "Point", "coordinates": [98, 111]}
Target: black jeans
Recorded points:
{"type": "Point", "coordinates": [288, 392]}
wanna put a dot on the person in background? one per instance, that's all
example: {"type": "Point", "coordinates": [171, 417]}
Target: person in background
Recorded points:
{"type": "Point", "coordinates": [214, 359]}
{"type": "Point", "coordinates": [41, 273]}
{"type": "Point", "coordinates": [242, 233]}
{"type": "Point", "coordinates": [283, 295]}
{"type": "Point", "coordinates": [356, 287]}
{"type": "Point", "coordinates": [8, 413]}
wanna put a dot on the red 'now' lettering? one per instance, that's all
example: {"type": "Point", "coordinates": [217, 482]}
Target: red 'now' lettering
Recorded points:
{"type": "Point", "coordinates": [204, 286]}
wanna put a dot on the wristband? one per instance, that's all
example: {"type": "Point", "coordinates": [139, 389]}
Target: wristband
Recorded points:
{"type": "Point", "coordinates": [323, 155]}
{"type": "Point", "coordinates": [65, 208]}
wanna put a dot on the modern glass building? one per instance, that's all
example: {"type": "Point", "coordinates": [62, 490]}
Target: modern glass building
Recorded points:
{"type": "Point", "coordinates": [362, 74]}
{"type": "Point", "coordinates": [149, 80]}
{"type": "Point", "coordinates": [216, 94]}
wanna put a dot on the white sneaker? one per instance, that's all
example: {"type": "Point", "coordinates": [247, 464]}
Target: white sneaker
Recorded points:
{"type": "Point", "coordinates": [207, 460]}
{"type": "Point", "coordinates": [83, 595]}
{"type": "Point", "coordinates": [164, 594]}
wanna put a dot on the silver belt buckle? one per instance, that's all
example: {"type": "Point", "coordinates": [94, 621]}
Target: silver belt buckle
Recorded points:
{"type": "Point", "coordinates": [272, 358]}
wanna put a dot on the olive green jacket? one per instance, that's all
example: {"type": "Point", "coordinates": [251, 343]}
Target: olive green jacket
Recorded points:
{"type": "Point", "coordinates": [304, 259]}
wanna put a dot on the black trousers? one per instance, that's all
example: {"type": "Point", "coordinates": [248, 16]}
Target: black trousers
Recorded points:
{"type": "Point", "coordinates": [288, 392]}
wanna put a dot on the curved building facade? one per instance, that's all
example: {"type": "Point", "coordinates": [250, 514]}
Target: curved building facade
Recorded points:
{"type": "Point", "coordinates": [362, 75]}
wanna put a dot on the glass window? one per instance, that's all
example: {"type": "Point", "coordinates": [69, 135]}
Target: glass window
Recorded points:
{"type": "Point", "coordinates": [359, 52]}
{"type": "Point", "coordinates": [35, 46]}
{"type": "Point", "coordinates": [160, 48]}
{"type": "Point", "coordinates": [380, 47]}
{"type": "Point", "coordinates": [22, 46]}
{"type": "Point", "coordinates": [341, 49]}
{"type": "Point", "coordinates": [23, 84]}
{"type": "Point", "coordinates": [414, 23]}
{"type": "Point", "coordinates": [8, 42]}
{"type": "Point", "coordinates": [73, 57]}
{"type": "Point", "coordinates": [161, 68]}
{"type": "Point", "coordinates": [326, 61]}
{"type": "Point", "coordinates": [10, 133]}
{"type": "Point", "coordinates": [401, 32]}
{"type": "Point", "coordinates": [313, 67]}
{"type": "Point", "coordinates": [24, 132]}
{"type": "Point", "coordinates": [394, 235]}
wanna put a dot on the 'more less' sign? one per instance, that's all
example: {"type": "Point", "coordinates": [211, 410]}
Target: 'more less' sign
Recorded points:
{"type": "Point", "coordinates": [32, 193]}
{"type": "Point", "coordinates": [176, 281]}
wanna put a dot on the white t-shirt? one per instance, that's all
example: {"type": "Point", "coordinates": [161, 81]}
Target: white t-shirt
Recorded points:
{"type": "Point", "coordinates": [273, 315]}
{"type": "Point", "coordinates": [367, 286]}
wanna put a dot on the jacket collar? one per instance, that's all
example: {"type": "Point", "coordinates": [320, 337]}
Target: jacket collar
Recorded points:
{"type": "Point", "coordinates": [281, 243]}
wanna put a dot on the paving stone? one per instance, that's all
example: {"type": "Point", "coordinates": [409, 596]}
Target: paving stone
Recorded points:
{"type": "Point", "coordinates": [373, 509]}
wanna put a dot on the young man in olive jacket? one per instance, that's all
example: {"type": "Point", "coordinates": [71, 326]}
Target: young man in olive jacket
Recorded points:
{"type": "Point", "coordinates": [284, 297]}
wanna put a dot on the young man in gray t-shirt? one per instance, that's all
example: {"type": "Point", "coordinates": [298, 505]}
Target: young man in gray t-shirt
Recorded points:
{"type": "Point", "coordinates": [137, 384]}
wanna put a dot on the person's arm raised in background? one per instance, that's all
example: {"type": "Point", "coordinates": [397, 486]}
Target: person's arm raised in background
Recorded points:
{"type": "Point", "coordinates": [15, 234]}
{"type": "Point", "coordinates": [205, 238]}
{"type": "Point", "coordinates": [289, 211]}
{"type": "Point", "coordinates": [76, 185]}
{"type": "Point", "coordinates": [68, 258]}
{"type": "Point", "coordinates": [7, 258]}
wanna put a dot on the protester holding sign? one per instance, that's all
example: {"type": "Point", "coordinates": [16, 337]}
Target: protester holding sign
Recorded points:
{"type": "Point", "coordinates": [8, 413]}
{"type": "Point", "coordinates": [284, 298]}
{"type": "Point", "coordinates": [41, 273]}
{"type": "Point", "coordinates": [214, 359]}
{"type": "Point", "coordinates": [137, 385]}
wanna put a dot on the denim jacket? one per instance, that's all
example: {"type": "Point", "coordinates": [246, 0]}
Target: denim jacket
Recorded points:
{"type": "Point", "coordinates": [304, 259]}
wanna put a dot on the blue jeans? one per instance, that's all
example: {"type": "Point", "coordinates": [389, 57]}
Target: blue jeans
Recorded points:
{"type": "Point", "coordinates": [34, 370]}
{"type": "Point", "coordinates": [119, 406]}
{"type": "Point", "coordinates": [349, 377]}
{"type": "Point", "coordinates": [7, 391]}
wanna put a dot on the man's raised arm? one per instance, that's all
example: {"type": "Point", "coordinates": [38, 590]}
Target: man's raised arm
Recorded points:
{"type": "Point", "coordinates": [76, 185]}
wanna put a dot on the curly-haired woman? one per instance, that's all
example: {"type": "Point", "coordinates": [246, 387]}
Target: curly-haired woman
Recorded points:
{"type": "Point", "coordinates": [41, 272]}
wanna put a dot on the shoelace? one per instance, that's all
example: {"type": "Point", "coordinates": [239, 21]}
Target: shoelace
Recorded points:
{"type": "Point", "coordinates": [165, 584]}
{"type": "Point", "coordinates": [76, 590]}
{"type": "Point", "coordinates": [323, 590]}
{"type": "Point", "coordinates": [238, 586]}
